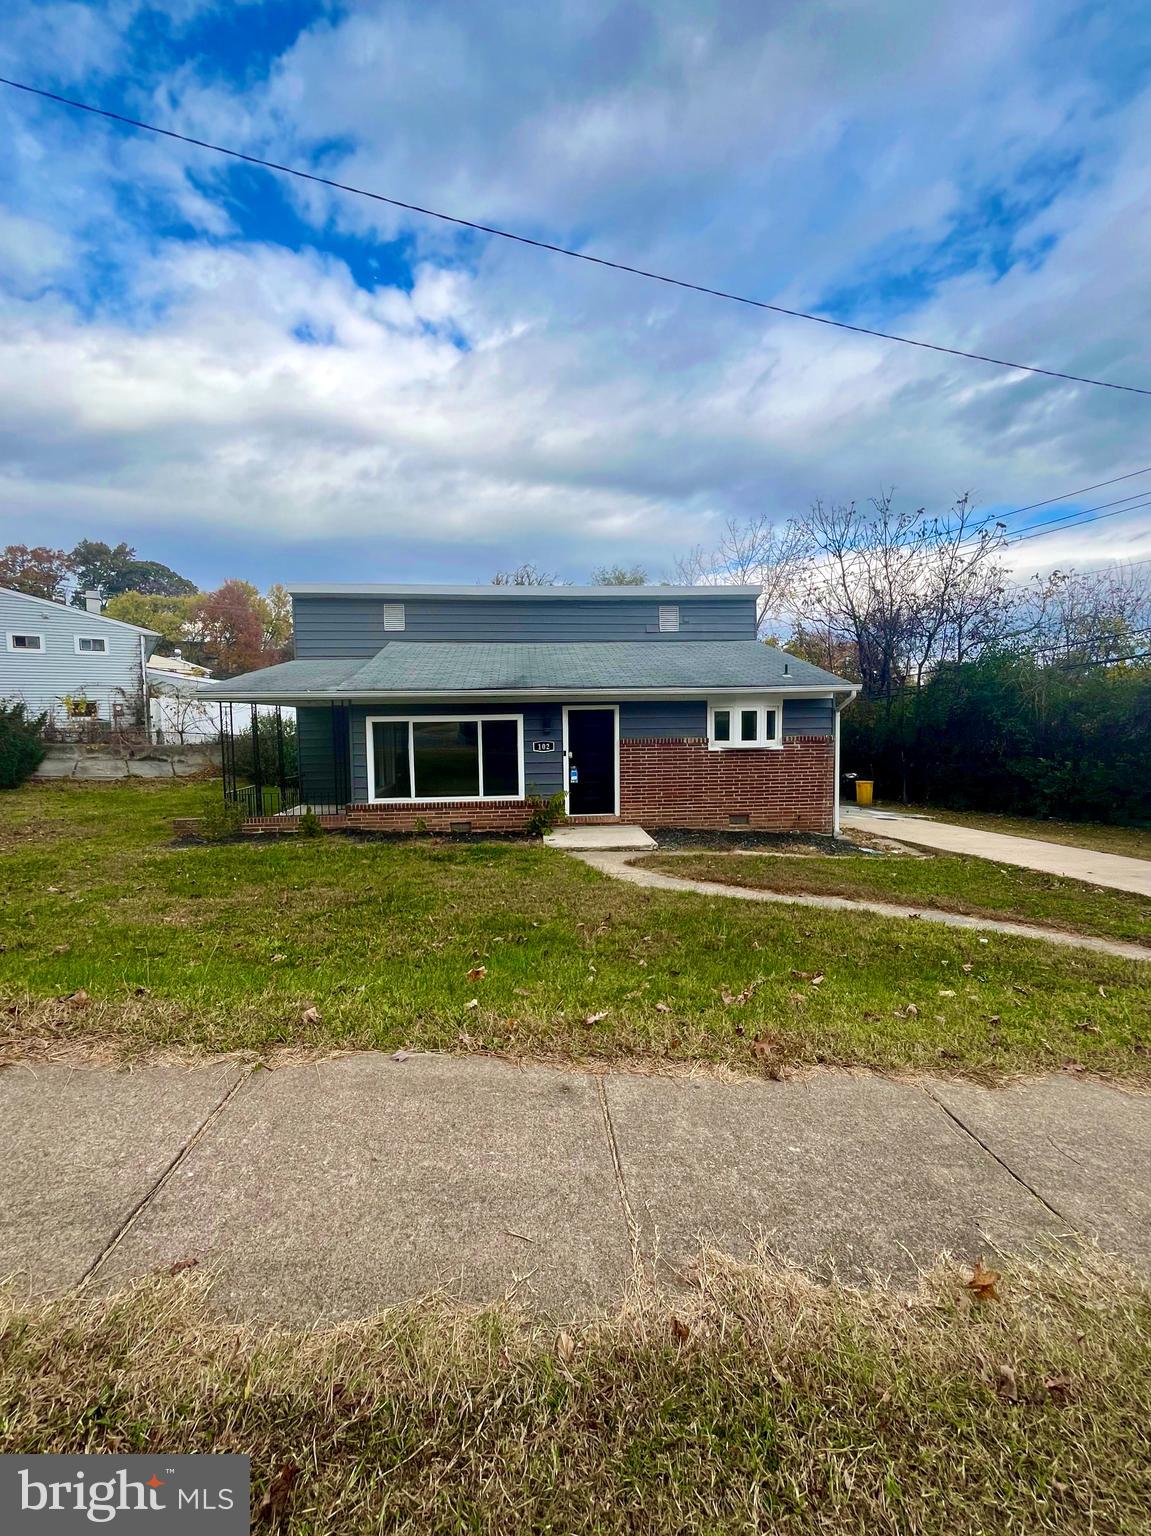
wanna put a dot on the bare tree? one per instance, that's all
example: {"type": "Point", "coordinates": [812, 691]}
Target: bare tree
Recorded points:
{"type": "Point", "coordinates": [526, 575]}
{"type": "Point", "coordinates": [753, 551]}
{"type": "Point", "coordinates": [1087, 616]}
{"type": "Point", "coordinates": [903, 590]}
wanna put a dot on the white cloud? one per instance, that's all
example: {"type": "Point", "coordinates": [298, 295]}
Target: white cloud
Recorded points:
{"type": "Point", "coordinates": [250, 389]}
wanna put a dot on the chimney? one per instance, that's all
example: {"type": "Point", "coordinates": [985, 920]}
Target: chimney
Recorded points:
{"type": "Point", "coordinates": [93, 602]}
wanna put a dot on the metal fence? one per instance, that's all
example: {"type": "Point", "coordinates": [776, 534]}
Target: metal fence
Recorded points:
{"type": "Point", "coordinates": [259, 753]}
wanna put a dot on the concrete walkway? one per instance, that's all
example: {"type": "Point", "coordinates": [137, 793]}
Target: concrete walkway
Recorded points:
{"type": "Point", "coordinates": [1111, 869]}
{"type": "Point", "coordinates": [326, 1191]}
{"type": "Point", "coordinates": [620, 867]}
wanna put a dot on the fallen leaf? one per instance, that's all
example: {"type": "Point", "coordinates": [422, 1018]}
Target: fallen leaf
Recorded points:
{"type": "Point", "coordinates": [565, 1346]}
{"type": "Point", "coordinates": [662, 1008]}
{"type": "Point", "coordinates": [967, 967]}
{"type": "Point", "coordinates": [1088, 1028]}
{"type": "Point", "coordinates": [61, 949]}
{"type": "Point", "coordinates": [278, 959]}
{"type": "Point", "coordinates": [400, 1055]}
{"type": "Point", "coordinates": [1059, 1387]}
{"type": "Point", "coordinates": [595, 1018]}
{"type": "Point", "coordinates": [1005, 1384]}
{"type": "Point", "coordinates": [477, 972]}
{"type": "Point", "coordinates": [1102, 991]}
{"type": "Point", "coordinates": [311, 1016]}
{"type": "Point", "coordinates": [278, 1493]}
{"type": "Point", "coordinates": [680, 1330]}
{"type": "Point", "coordinates": [994, 1018]}
{"type": "Point", "coordinates": [472, 1002]}
{"type": "Point", "coordinates": [984, 1282]}
{"type": "Point", "coordinates": [946, 992]}
{"type": "Point", "coordinates": [79, 999]}
{"type": "Point", "coordinates": [182, 1264]}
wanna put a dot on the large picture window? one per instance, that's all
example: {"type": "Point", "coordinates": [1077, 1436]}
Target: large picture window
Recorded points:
{"type": "Point", "coordinates": [478, 758]}
{"type": "Point", "coordinates": [756, 722]}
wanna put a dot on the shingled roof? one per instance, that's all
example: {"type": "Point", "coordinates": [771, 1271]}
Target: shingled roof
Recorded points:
{"type": "Point", "coordinates": [422, 669]}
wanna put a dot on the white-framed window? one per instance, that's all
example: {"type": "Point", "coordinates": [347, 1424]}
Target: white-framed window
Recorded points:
{"type": "Point", "coordinates": [745, 722]}
{"type": "Point", "coordinates": [18, 641]}
{"type": "Point", "coordinates": [668, 618]}
{"type": "Point", "coordinates": [394, 618]}
{"type": "Point", "coordinates": [423, 758]}
{"type": "Point", "coordinates": [91, 645]}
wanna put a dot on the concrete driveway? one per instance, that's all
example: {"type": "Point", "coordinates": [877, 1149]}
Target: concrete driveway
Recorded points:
{"type": "Point", "coordinates": [1111, 869]}
{"type": "Point", "coordinates": [326, 1191]}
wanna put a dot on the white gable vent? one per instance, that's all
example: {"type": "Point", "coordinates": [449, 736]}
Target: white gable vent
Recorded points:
{"type": "Point", "coordinates": [668, 618]}
{"type": "Point", "coordinates": [393, 616]}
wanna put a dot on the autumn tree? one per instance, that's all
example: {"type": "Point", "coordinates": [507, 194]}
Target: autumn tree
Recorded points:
{"type": "Point", "coordinates": [40, 572]}
{"type": "Point", "coordinates": [173, 618]}
{"type": "Point", "coordinates": [237, 630]}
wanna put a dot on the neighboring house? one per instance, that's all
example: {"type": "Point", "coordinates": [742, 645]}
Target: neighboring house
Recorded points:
{"type": "Point", "coordinates": [444, 707]}
{"type": "Point", "coordinates": [177, 714]}
{"type": "Point", "coordinates": [72, 664]}
{"type": "Point", "coordinates": [177, 708]}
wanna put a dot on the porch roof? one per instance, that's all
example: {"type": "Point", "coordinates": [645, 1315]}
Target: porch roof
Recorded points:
{"type": "Point", "coordinates": [421, 669]}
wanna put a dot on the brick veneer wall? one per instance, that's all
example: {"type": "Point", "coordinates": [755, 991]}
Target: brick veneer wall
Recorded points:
{"type": "Point", "coordinates": [679, 782]}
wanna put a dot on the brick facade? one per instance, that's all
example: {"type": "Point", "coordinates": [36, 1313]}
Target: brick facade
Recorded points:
{"type": "Point", "coordinates": [678, 782]}
{"type": "Point", "coordinates": [668, 782]}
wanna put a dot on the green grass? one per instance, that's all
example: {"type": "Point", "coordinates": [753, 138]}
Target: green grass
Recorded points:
{"type": "Point", "coordinates": [232, 947]}
{"type": "Point", "coordinates": [947, 882]}
{"type": "Point", "coordinates": [757, 1402]}
{"type": "Point", "coordinates": [1134, 842]}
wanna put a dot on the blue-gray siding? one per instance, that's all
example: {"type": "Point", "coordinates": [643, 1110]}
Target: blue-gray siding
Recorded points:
{"type": "Point", "coordinates": [646, 719]}
{"type": "Point", "coordinates": [354, 626]}
{"type": "Point", "coordinates": [808, 717]}
{"type": "Point", "coordinates": [112, 680]}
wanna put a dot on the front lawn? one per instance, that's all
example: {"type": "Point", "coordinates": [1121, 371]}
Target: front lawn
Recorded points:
{"type": "Point", "coordinates": [946, 882]}
{"type": "Point", "coordinates": [331, 943]}
{"type": "Point", "coordinates": [759, 1402]}
{"type": "Point", "coordinates": [1133, 842]}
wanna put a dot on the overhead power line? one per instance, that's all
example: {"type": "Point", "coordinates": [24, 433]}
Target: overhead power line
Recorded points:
{"type": "Point", "coordinates": [1074, 521]}
{"type": "Point", "coordinates": [1079, 491]}
{"type": "Point", "coordinates": [563, 250]}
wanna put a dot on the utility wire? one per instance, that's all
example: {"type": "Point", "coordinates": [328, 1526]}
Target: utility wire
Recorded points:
{"type": "Point", "coordinates": [1081, 491]}
{"type": "Point", "coordinates": [562, 250]}
{"type": "Point", "coordinates": [1073, 520]}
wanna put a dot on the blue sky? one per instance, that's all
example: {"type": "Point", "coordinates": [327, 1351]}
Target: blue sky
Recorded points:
{"type": "Point", "coordinates": [243, 375]}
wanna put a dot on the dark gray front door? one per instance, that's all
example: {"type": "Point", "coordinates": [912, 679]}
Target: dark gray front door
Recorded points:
{"type": "Point", "coordinates": [591, 762]}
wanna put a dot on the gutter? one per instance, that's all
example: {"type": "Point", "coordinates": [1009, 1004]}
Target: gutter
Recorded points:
{"type": "Point", "coordinates": [840, 705]}
{"type": "Point", "coordinates": [551, 695]}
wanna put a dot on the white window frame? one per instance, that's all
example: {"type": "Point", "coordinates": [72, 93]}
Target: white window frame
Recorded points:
{"type": "Point", "coordinates": [669, 618]}
{"type": "Point", "coordinates": [413, 720]}
{"type": "Point", "coordinates": [761, 703]}
{"type": "Point", "coordinates": [26, 650]}
{"type": "Point", "coordinates": [395, 618]}
{"type": "Point", "coordinates": [103, 639]}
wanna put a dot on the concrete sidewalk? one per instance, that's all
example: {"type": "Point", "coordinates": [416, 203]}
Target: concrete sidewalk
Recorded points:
{"type": "Point", "coordinates": [1110, 869]}
{"type": "Point", "coordinates": [326, 1191]}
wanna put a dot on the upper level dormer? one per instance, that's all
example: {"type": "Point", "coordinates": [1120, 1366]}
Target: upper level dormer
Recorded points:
{"type": "Point", "coordinates": [347, 619]}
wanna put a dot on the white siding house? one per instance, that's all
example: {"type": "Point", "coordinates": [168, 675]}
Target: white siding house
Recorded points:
{"type": "Point", "coordinates": [71, 663]}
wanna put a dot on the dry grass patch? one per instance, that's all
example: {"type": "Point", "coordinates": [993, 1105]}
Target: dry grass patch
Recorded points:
{"type": "Point", "coordinates": [757, 1400]}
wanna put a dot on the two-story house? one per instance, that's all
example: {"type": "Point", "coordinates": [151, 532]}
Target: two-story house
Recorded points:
{"type": "Point", "coordinates": [446, 706]}
{"type": "Point", "coordinates": [73, 664]}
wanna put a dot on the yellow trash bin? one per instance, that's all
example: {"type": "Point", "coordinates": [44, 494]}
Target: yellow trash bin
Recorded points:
{"type": "Point", "coordinates": [863, 789]}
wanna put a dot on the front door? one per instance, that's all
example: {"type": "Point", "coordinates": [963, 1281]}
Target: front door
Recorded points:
{"type": "Point", "coordinates": [590, 764]}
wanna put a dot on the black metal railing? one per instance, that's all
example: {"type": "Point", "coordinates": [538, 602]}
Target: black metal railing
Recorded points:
{"type": "Point", "coordinates": [259, 755]}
